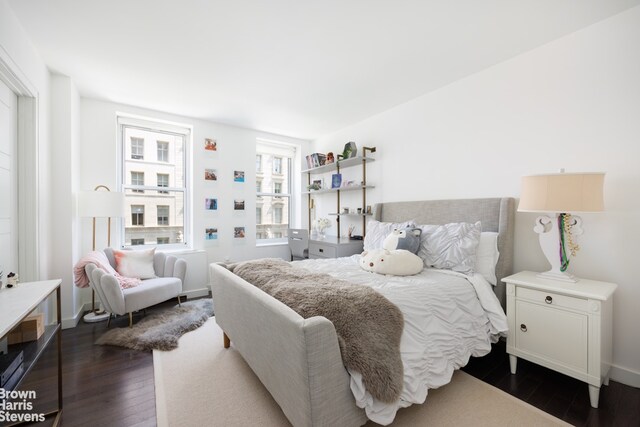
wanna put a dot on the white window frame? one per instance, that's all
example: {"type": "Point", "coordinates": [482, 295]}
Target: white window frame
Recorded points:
{"type": "Point", "coordinates": [155, 125]}
{"type": "Point", "coordinates": [292, 158]}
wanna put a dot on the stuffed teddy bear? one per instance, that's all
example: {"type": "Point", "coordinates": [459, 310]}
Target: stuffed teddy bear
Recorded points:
{"type": "Point", "coordinates": [408, 239]}
{"type": "Point", "coordinates": [398, 262]}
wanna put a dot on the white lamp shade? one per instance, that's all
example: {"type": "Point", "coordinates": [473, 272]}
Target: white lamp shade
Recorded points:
{"type": "Point", "coordinates": [100, 203]}
{"type": "Point", "coordinates": [562, 192]}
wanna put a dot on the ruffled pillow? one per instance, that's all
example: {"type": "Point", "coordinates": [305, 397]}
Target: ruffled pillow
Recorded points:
{"type": "Point", "coordinates": [377, 231]}
{"type": "Point", "coordinates": [138, 264]}
{"type": "Point", "coordinates": [487, 256]}
{"type": "Point", "coordinates": [450, 246]}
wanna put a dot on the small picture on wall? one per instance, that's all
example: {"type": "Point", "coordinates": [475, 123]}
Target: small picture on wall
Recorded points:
{"type": "Point", "coordinates": [238, 232]}
{"type": "Point", "coordinates": [210, 175]}
{"type": "Point", "coordinates": [210, 144]}
{"type": "Point", "coordinates": [211, 234]}
{"type": "Point", "coordinates": [238, 176]}
{"type": "Point", "coordinates": [211, 204]}
{"type": "Point", "coordinates": [238, 204]}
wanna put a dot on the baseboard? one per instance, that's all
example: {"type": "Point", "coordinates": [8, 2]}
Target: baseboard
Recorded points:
{"type": "Point", "coordinates": [625, 376]}
{"type": "Point", "coordinates": [72, 322]}
{"type": "Point", "coordinates": [196, 293]}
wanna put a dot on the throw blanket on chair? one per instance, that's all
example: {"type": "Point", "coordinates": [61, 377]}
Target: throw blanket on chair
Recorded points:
{"type": "Point", "coordinates": [100, 260]}
{"type": "Point", "coordinates": [368, 325]}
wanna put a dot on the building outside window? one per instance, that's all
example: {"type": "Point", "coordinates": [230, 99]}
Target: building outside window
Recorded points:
{"type": "Point", "coordinates": [137, 148]}
{"type": "Point", "coordinates": [137, 242]}
{"type": "Point", "coordinates": [277, 165]}
{"type": "Point", "coordinates": [163, 181]}
{"type": "Point", "coordinates": [137, 215]}
{"type": "Point", "coordinates": [163, 215]}
{"type": "Point", "coordinates": [273, 206]}
{"type": "Point", "coordinates": [163, 151]}
{"type": "Point", "coordinates": [168, 196]}
{"type": "Point", "coordinates": [137, 179]}
{"type": "Point", "coordinates": [259, 163]}
{"type": "Point", "coordinates": [277, 216]}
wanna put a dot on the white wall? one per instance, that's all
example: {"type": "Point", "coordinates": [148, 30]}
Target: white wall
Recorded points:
{"type": "Point", "coordinates": [64, 161]}
{"type": "Point", "coordinates": [236, 151]}
{"type": "Point", "coordinates": [573, 103]}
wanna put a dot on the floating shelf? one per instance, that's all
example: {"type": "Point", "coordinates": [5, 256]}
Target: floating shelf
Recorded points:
{"type": "Point", "coordinates": [333, 190]}
{"type": "Point", "coordinates": [353, 161]}
{"type": "Point", "coordinates": [350, 214]}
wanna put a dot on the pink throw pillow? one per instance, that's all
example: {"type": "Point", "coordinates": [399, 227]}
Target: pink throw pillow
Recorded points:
{"type": "Point", "coordinates": [138, 264]}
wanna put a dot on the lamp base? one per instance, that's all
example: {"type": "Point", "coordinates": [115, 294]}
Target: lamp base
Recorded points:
{"type": "Point", "coordinates": [93, 317]}
{"type": "Point", "coordinates": [558, 275]}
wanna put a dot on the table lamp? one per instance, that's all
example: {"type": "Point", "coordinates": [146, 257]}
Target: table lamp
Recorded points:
{"type": "Point", "coordinates": [560, 195]}
{"type": "Point", "coordinates": [100, 204]}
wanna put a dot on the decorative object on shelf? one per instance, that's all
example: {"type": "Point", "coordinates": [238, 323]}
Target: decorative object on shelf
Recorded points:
{"type": "Point", "coordinates": [369, 210]}
{"type": "Point", "coordinates": [559, 194]}
{"type": "Point", "coordinates": [210, 144]}
{"type": "Point", "coordinates": [330, 158]}
{"type": "Point", "coordinates": [315, 185]}
{"type": "Point", "coordinates": [100, 204]}
{"type": "Point", "coordinates": [316, 160]}
{"type": "Point", "coordinates": [321, 225]}
{"type": "Point", "coordinates": [12, 280]}
{"type": "Point", "coordinates": [350, 150]}
{"type": "Point", "coordinates": [336, 180]}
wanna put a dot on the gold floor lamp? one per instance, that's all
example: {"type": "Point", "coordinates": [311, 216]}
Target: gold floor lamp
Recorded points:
{"type": "Point", "coordinates": [100, 204]}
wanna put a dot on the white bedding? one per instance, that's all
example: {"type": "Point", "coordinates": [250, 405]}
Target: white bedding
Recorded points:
{"type": "Point", "coordinates": [448, 317]}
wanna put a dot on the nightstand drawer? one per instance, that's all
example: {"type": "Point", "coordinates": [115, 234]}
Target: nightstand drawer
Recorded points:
{"type": "Point", "coordinates": [556, 335]}
{"type": "Point", "coordinates": [552, 299]}
{"type": "Point", "coordinates": [322, 251]}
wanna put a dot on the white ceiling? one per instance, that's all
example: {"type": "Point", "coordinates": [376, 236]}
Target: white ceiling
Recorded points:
{"type": "Point", "coordinates": [296, 67]}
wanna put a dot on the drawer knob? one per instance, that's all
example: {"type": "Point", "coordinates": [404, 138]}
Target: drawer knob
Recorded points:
{"type": "Point", "coordinates": [320, 250]}
{"type": "Point", "coordinates": [523, 327]}
{"type": "Point", "coordinates": [548, 299]}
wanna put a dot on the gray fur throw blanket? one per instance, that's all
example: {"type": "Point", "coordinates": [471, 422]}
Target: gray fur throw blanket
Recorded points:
{"type": "Point", "coordinates": [368, 325]}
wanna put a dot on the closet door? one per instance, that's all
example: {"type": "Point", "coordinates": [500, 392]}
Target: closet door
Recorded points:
{"type": "Point", "coordinates": [8, 181]}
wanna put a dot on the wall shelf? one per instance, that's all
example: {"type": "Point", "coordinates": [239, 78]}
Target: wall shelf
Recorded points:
{"type": "Point", "coordinates": [337, 166]}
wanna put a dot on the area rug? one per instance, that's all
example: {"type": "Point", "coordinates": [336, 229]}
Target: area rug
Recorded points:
{"type": "Point", "coordinates": [216, 387]}
{"type": "Point", "coordinates": [161, 331]}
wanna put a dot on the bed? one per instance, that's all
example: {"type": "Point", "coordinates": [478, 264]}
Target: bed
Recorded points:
{"type": "Point", "coordinates": [299, 361]}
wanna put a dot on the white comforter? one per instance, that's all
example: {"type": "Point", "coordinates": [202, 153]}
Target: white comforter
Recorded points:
{"type": "Point", "coordinates": [448, 317]}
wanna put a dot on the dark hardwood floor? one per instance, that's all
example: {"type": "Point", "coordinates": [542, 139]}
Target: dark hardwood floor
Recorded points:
{"type": "Point", "coordinates": [558, 394]}
{"type": "Point", "coordinates": [112, 386]}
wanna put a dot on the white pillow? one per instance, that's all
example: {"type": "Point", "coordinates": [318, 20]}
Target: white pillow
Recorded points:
{"type": "Point", "coordinates": [377, 231]}
{"type": "Point", "coordinates": [450, 246]}
{"type": "Point", "coordinates": [487, 256]}
{"type": "Point", "coordinates": [138, 264]}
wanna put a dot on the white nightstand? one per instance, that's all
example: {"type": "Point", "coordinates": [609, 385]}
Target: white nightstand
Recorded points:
{"type": "Point", "coordinates": [564, 326]}
{"type": "Point", "coordinates": [334, 247]}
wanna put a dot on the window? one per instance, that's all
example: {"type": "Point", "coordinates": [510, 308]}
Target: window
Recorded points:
{"type": "Point", "coordinates": [277, 215]}
{"type": "Point", "coordinates": [137, 215]}
{"type": "Point", "coordinates": [258, 163]}
{"type": "Point", "coordinates": [163, 215]}
{"type": "Point", "coordinates": [137, 178]}
{"type": "Point", "coordinates": [163, 181]}
{"type": "Point", "coordinates": [273, 191]}
{"type": "Point", "coordinates": [137, 148]}
{"type": "Point", "coordinates": [277, 165]}
{"type": "Point", "coordinates": [166, 198]}
{"type": "Point", "coordinates": [136, 242]}
{"type": "Point", "coordinates": [163, 151]}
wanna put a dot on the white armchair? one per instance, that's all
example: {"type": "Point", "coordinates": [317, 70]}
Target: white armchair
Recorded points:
{"type": "Point", "coordinates": [170, 272]}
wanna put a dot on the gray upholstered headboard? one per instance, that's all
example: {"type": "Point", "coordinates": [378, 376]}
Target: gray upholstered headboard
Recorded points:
{"type": "Point", "coordinates": [496, 214]}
